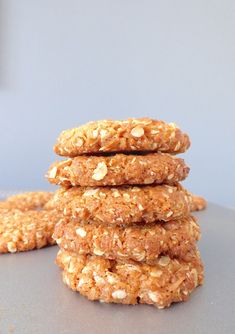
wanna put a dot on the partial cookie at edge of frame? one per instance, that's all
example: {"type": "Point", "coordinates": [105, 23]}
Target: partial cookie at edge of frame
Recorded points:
{"type": "Point", "coordinates": [26, 229]}
{"type": "Point", "coordinates": [198, 203]}
{"type": "Point", "coordinates": [26, 201]}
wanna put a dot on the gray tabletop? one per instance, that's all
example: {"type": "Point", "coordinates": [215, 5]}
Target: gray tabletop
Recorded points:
{"type": "Point", "coordinates": [33, 298]}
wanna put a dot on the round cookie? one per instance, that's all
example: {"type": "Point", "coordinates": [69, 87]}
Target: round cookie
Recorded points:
{"type": "Point", "coordinates": [139, 243]}
{"type": "Point", "coordinates": [118, 169]}
{"type": "Point", "coordinates": [198, 203]}
{"type": "Point", "coordinates": [123, 205]}
{"type": "Point", "coordinates": [132, 135]}
{"type": "Point", "coordinates": [26, 201]}
{"type": "Point", "coordinates": [29, 227]}
{"type": "Point", "coordinates": [170, 280]}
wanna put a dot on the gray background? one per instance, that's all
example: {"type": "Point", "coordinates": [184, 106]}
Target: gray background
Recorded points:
{"type": "Point", "coordinates": [63, 63]}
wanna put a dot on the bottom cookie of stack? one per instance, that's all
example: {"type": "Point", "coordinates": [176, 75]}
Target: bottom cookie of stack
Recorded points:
{"type": "Point", "coordinates": [168, 281]}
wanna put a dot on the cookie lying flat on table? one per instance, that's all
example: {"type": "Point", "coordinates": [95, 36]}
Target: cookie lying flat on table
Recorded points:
{"type": "Point", "coordinates": [123, 205]}
{"type": "Point", "coordinates": [171, 280]}
{"type": "Point", "coordinates": [143, 134]}
{"type": "Point", "coordinates": [198, 203]}
{"type": "Point", "coordinates": [119, 169]}
{"type": "Point", "coordinates": [29, 228]}
{"type": "Point", "coordinates": [139, 243]}
{"type": "Point", "coordinates": [26, 201]}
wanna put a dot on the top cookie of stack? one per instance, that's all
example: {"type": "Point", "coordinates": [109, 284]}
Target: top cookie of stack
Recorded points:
{"type": "Point", "coordinates": [135, 151]}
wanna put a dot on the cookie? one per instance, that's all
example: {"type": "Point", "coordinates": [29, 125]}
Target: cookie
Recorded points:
{"type": "Point", "coordinates": [132, 135]}
{"type": "Point", "coordinates": [25, 224]}
{"type": "Point", "coordinates": [198, 203]}
{"type": "Point", "coordinates": [119, 169]}
{"type": "Point", "coordinates": [123, 205]}
{"type": "Point", "coordinates": [26, 201]}
{"type": "Point", "coordinates": [170, 280]}
{"type": "Point", "coordinates": [138, 243]}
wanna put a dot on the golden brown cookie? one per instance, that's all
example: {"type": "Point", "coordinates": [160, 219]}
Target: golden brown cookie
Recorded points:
{"type": "Point", "coordinates": [143, 134]}
{"type": "Point", "coordinates": [25, 224]}
{"type": "Point", "coordinates": [119, 169]}
{"type": "Point", "coordinates": [26, 201]}
{"type": "Point", "coordinates": [170, 280]}
{"type": "Point", "coordinates": [198, 203]}
{"type": "Point", "coordinates": [123, 205]}
{"type": "Point", "coordinates": [139, 243]}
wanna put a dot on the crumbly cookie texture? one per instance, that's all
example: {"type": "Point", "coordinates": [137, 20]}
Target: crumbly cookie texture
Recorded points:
{"type": "Point", "coordinates": [170, 280]}
{"type": "Point", "coordinates": [143, 134]}
{"type": "Point", "coordinates": [138, 243]}
{"type": "Point", "coordinates": [119, 169]}
{"type": "Point", "coordinates": [198, 203]}
{"type": "Point", "coordinates": [25, 224]}
{"type": "Point", "coordinates": [26, 201]}
{"type": "Point", "coordinates": [23, 231]}
{"type": "Point", "coordinates": [123, 205]}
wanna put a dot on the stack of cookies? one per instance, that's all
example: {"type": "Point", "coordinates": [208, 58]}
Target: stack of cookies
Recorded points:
{"type": "Point", "coordinates": [127, 235]}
